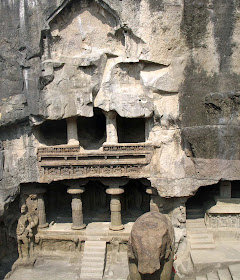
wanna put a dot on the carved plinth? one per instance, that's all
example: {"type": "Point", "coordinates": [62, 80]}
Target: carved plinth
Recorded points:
{"type": "Point", "coordinates": [115, 207]}
{"type": "Point", "coordinates": [77, 214]}
{"type": "Point", "coordinates": [224, 215]}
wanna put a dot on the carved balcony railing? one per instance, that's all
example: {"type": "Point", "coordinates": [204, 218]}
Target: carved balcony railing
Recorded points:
{"type": "Point", "coordinates": [112, 160]}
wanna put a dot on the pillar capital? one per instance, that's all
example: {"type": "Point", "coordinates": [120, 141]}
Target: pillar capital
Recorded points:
{"type": "Point", "coordinates": [151, 191]}
{"type": "Point", "coordinates": [33, 190]}
{"type": "Point", "coordinates": [114, 182]}
{"type": "Point", "coordinates": [110, 114]}
{"type": "Point", "coordinates": [76, 190]}
{"type": "Point", "coordinates": [114, 191]}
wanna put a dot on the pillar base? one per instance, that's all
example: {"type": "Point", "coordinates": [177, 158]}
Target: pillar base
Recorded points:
{"type": "Point", "coordinates": [115, 228]}
{"type": "Point", "coordinates": [73, 142]}
{"type": "Point", "coordinates": [44, 225]}
{"type": "Point", "coordinates": [78, 227]}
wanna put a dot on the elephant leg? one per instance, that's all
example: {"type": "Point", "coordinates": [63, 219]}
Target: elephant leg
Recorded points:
{"type": "Point", "coordinates": [167, 269]}
{"type": "Point", "coordinates": [133, 271]}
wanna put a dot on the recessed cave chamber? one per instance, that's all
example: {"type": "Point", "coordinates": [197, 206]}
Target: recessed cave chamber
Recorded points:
{"type": "Point", "coordinates": [92, 131]}
{"type": "Point", "coordinates": [235, 189]}
{"type": "Point", "coordinates": [95, 202]}
{"type": "Point", "coordinates": [197, 204]}
{"type": "Point", "coordinates": [131, 130]}
{"type": "Point", "coordinates": [53, 133]}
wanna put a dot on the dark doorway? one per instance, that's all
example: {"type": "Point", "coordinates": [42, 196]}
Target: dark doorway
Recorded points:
{"type": "Point", "coordinates": [92, 131]}
{"type": "Point", "coordinates": [235, 189]}
{"type": "Point", "coordinates": [53, 132]}
{"type": "Point", "coordinates": [131, 130]}
{"type": "Point", "coordinates": [201, 201]}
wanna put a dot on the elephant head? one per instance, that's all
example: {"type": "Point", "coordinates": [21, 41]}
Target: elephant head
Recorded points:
{"type": "Point", "coordinates": [150, 247]}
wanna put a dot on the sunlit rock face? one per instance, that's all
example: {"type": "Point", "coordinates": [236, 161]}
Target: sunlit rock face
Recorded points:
{"type": "Point", "coordinates": [174, 62]}
{"type": "Point", "coordinates": [169, 65]}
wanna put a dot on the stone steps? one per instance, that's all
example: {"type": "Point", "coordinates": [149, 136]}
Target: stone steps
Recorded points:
{"type": "Point", "coordinates": [230, 273]}
{"type": "Point", "coordinates": [207, 240]}
{"type": "Point", "coordinates": [224, 274]}
{"type": "Point", "coordinates": [93, 261]}
{"type": "Point", "coordinates": [235, 271]}
{"type": "Point", "coordinates": [198, 236]}
{"type": "Point", "coordinates": [212, 275]}
{"type": "Point", "coordinates": [202, 246]}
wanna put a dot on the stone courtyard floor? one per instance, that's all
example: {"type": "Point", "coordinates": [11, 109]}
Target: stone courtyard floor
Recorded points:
{"type": "Point", "coordinates": [62, 267]}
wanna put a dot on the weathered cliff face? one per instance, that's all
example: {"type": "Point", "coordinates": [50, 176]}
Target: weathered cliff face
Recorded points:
{"type": "Point", "coordinates": [173, 61]}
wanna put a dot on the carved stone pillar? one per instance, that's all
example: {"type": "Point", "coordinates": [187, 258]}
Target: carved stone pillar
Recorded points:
{"type": "Point", "coordinates": [148, 128]}
{"type": "Point", "coordinates": [225, 189]}
{"type": "Point", "coordinates": [111, 127]}
{"type": "Point", "coordinates": [153, 193]}
{"type": "Point", "coordinates": [77, 214]}
{"type": "Point", "coordinates": [72, 132]}
{"type": "Point", "coordinates": [115, 208]}
{"type": "Point", "coordinates": [41, 209]}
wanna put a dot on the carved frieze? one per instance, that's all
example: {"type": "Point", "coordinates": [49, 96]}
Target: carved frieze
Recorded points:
{"type": "Point", "coordinates": [127, 148]}
{"type": "Point", "coordinates": [70, 172]}
{"type": "Point", "coordinates": [223, 221]}
{"type": "Point", "coordinates": [67, 162]}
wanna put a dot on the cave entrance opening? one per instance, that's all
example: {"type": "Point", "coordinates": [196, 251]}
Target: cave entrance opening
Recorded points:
{"type": "Point", "coordinates": [131, 130]}
{"type": "Point", "coordinates": [235, 189]}
{"type": "Point", "coordinates": [197, 205]}
{"type": "Point", "coordinates": [92, 131]}
{"type": "Point", "coordinates": [96, 202]}
{"type": "Point", "coordinates": [53, 133]}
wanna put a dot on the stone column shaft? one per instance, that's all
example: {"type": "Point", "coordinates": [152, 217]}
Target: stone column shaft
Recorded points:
{"type": "Point", "coordinates": [152, 192]}
{"type": "Point", "coordinates": [115, 208]}
{"type": "Point", "coordinates": [72, 132]}
{"type": "Point", "coordinates": [41, 212]}
{"type": "Point", "coordinates": [148, 128]}
{"type": "Point", "coordinates": [111, 127]}
{"type": "Point", "coordinates": [77, 214]}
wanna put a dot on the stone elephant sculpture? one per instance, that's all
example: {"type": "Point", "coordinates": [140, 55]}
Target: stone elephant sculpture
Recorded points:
{"type": "Point", "coordinates": [151, 248]}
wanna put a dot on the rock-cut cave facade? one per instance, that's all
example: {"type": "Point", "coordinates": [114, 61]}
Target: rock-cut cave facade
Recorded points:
{"type": "Point", "coordinates": [111, 109]}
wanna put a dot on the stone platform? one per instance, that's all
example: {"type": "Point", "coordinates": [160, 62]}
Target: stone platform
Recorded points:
{"type": "Point", "coordinates": [94, 231]}
{"type": "Point", "coordinates": [223, 255]}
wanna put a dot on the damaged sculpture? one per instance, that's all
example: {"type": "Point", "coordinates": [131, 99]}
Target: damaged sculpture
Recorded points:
{"type": "Point", "coordinates": [150, 248]}
{"type": "Point", "coordinates": [27, 223]}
